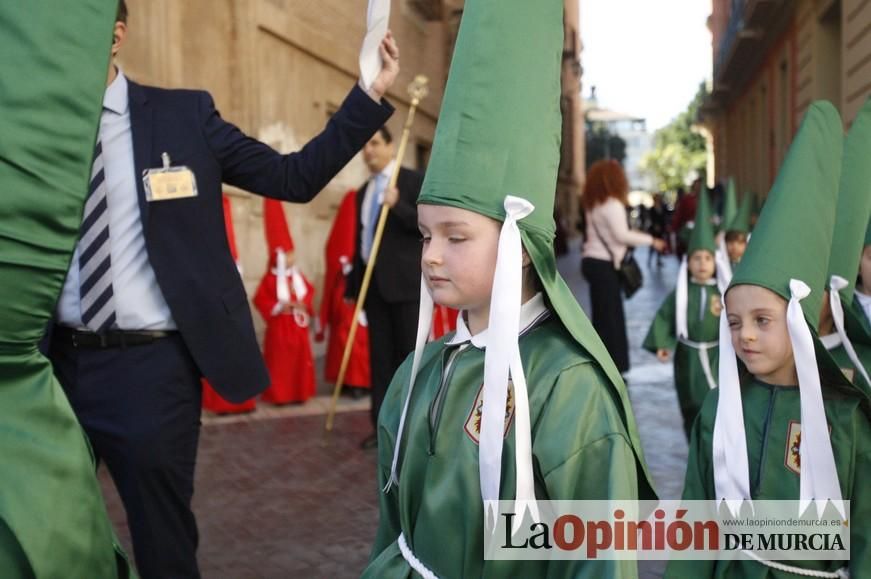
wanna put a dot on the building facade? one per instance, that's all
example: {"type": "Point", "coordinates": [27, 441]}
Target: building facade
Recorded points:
{"type": "Point", "coordinates": [279, 68]}
{"type": "Point", "coordinates": [772, 58]}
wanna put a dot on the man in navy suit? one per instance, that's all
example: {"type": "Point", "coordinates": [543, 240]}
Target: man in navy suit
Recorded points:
{"type": "Point", "coordinates": [393, 298]}
{"type": "Point", "coordinates": [153, 300]}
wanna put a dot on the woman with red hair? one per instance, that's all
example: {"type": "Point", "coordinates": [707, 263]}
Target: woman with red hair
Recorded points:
{"type": "Point", "coordinates": [606, 241]}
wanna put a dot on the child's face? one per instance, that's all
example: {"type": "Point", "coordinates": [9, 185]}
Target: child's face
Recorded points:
{"type": "Point", "coordinates": [701, 265]}
{"type": "Point", "coordinates": [459, 255]}
{"type": "Point", "coordinates": [865, 270]}
{"type": "Point", "coordinates": [757, 322]}
{"type": "Point", "coordinates": [736, 248]}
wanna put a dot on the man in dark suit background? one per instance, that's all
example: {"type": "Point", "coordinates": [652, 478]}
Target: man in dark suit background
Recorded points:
{"type": "Point", "coordinates": [153, 300]}
{"type": "Point", "coordinates": [393, 298]}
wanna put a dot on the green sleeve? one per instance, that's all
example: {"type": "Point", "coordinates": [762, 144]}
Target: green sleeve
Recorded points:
{"type": "Point", "coordinates": [662, 333]}
{"type": "Point", "coordinates": [698, 483]}
{"type": "Point", "coordinates": [584, 453]}
{"type": "Point", "coordinates": [860, 504]}
{"type": "Point", "coordinates": [388, 421]}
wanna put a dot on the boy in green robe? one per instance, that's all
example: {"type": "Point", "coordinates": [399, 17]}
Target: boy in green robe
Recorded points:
{"type": "Point", "coordinates": [53, 523]}
{"type": "Point", "coordinates": [785, 424]}
{"type": "Point", "coordinates": [688, 320]}
{"type": "Point", "coordinates": [840, 333]}
{"type": "Point", "coordinates": [522, 402]}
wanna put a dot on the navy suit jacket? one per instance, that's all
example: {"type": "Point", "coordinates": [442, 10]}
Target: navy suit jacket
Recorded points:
{"type": "Point", "coordinates": [185, 238]}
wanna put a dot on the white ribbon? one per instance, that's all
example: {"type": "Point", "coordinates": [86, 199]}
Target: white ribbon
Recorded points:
{"type": "Point", "coordinates": [424, 321]}
{"type": "Point", "coordinates": [724, 267]}
{"type": "Point", "coordinates": [501, 360]}
{"type": "Point", "coordinates": [731, 465]}
{"type": "Point", "coordinates": [282, 289]}
{"type": "Point", "coordinates": [837, 283]}
{"type": "Point", "coordinates": [680, 298]}
{"type": "Point", "coordinates": [299, 287]}
{"type": "Point", "coordinates": [377, 23]}
{"type": "Point", "coordinates": [819, 477]}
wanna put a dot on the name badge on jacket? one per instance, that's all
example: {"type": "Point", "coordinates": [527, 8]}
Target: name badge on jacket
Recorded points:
{"type": "Point", "coordinates": [169, 182]}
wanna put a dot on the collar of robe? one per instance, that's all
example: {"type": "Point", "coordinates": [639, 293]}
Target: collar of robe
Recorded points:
{"type": "Point", "coordinates": [531, 313]}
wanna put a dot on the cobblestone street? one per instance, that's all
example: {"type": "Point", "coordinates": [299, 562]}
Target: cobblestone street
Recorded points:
{"type": "Point", "coordinates": [275, 499]}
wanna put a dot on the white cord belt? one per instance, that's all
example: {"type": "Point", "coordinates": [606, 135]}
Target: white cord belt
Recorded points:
{"type": "Point", "coordinates": [413, 561]}
{"type": "Point", "coordinates": [702, 348]}
{"type": "Point", "coordinates": [842, 573]}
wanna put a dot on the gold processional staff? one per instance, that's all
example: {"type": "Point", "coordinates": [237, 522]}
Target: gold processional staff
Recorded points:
{"type": "Point", "coordinates": [418, 91]}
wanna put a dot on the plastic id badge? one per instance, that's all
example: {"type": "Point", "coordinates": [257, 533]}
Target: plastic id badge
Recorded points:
{"type": "Point", "coordinates": [169, 182]}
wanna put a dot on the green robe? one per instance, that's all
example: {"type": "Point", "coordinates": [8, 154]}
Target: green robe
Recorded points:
{"type": "Point", "coordinates": [859, 331]}
{"type": "Point", "coordinates": [768, 411]}
{"type": "Point", "coordinates": [53, 522]}
{"type": "Point", "coordinates": [580, 446]}
{"type": "Point", "coordinates": [703, 325]}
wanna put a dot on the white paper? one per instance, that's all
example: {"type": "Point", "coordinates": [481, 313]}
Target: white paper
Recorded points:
{"type": "Point", "coordinates": [377, 23]}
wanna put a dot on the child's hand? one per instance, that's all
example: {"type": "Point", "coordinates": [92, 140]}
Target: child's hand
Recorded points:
{"type": "Point", "coordinates": [662, 355]}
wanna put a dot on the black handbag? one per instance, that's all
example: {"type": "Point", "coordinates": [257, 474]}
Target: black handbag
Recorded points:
{"type": "Point", "coordinates": [629, 272]}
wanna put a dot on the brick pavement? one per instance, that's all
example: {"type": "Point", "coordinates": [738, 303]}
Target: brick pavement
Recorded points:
{"type": "Point", "coordinates": [274, 500]}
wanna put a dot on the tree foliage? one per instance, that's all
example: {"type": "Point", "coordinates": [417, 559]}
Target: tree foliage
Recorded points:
{"type": "Point", "coordinates": [679, 153]}
{"type": "Point", "coordinates": [603, 144]}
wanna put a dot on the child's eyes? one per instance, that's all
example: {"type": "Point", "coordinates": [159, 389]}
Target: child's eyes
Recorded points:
{"type": "Point", "coordinates": [762, 321]}
{"type": "Point", "coordinates": [424, 239]}
{"type": "Point", "coordinates": [734, 324]}
{"type": "Point", "coordinates": [456, 239]}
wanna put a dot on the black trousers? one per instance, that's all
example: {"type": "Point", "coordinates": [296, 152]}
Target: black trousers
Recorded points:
{"type": "Point", "coordinates": [140, 407]}
{"type": "Point", "coordinates": [392, 331]}
{"type": "Point", "coordinates": [607, 303]}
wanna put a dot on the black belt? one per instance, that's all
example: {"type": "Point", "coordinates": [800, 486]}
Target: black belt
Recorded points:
{"type": "Point", "coordinates": [108, 339]}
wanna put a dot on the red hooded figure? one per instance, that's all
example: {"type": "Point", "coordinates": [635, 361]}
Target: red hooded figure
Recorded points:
{"type": "Point", "coordinates": [284, 299]}
{"type": "Point", "coordinates": [212, 400]}
{"type": "Point", "coordinates": [336, 314]}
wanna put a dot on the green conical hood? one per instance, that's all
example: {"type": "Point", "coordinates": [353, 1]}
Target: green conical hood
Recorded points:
{"type": "Point", "coordinates": [741, 221]}
{"type": "Point", "coordinates": [500, 125]}
{"type": "Point", "coordinates": [702, 236]}
{"type": "Point", "coordinates": [793, 237]}
{"type": "Point", "coordinates": [499, 133]}
{"type": "Point", "coordinates": [730, 205]}
{"type": "Point", "coordinates": [854, 203]}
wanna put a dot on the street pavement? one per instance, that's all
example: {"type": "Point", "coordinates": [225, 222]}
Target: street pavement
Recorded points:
{"type": "Point", "coordinates": [277, 499]}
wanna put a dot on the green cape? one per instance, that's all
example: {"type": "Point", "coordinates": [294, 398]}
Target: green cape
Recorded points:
{"type": "Point", "coordinates": [53, 522]}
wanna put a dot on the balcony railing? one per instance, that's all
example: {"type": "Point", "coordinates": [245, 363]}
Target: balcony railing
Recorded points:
{"type": "Point", "coordinates": [730, 36]}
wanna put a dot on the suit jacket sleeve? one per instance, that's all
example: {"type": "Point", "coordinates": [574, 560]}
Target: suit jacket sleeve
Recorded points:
{"type": "Point", "coordinates": [297, 177]}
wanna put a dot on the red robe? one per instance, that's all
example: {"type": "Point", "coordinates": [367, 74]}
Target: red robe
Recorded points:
{"type": "Point", "coordinates": [286, 345]}
{"type": "Point", "coordinates": [335, 313]}
{"type": "Point", "coordinates": [444, 321]}
{"type": "Point", "coordinates": [213, 401]}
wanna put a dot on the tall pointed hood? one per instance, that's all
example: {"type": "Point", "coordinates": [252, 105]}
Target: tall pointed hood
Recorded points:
{"type": "Point", "coordinates": [702, 236]}
{"type": "Point", "coordinates": [741, 221]}
{"type": "Point", "coordinates": [730, 205]}
{"type": "Point", "coordinates": [851, 222]}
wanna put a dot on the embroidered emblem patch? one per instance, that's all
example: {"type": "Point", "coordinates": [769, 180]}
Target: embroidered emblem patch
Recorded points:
{"type": "Point", "coordinates": [473, 422]}
{"type": "Point", "coordinates": [716, 305]}
{"type": "Point", "coordinates": [792, 460]}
